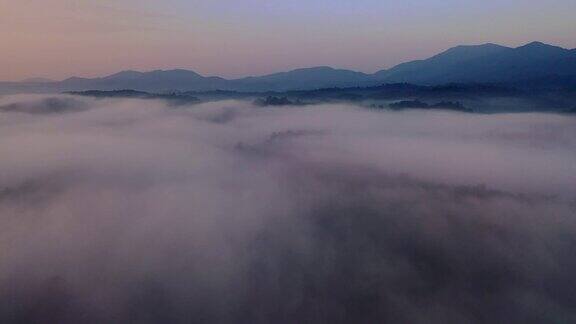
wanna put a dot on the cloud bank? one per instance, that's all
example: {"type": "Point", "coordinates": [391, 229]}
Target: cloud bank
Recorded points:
{"type": "Point", "coordinates": [117, 211]}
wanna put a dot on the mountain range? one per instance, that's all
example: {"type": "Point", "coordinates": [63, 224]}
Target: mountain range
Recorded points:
{"type": "Point", "coordinates": [534, 64]}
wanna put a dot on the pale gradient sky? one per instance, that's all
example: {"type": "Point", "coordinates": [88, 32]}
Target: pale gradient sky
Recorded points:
{"type": "Point", "coordinates": [60, 38]}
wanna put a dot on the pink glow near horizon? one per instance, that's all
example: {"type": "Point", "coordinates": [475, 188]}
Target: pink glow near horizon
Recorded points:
{"type": "Point", "coordinates": [60, 38]}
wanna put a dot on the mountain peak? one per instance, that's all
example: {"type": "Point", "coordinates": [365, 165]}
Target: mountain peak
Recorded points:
{"type": "Point", "coordinates": [540, 45]}
{"type": "Point", "coordinates": [315, 69]}
{"type": "Point", "coordinates": [127, 74]}
{"type": "Point", "coordinates": [173, 71]}
{"type": "Point", "coordinates": [536, 44]}
{"type": "Point", "coordinates": [487, 47]}
{"type": "Point", "coordinates": [75, 79]}
{"type": "Point", "coordinates": [468, 52]}
{"type": "Point", "coordinates": [542, 50]}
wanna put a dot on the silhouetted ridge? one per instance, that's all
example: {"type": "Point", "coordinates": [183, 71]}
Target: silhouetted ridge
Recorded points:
{"type": "Point", "coordinates": [486, 63]}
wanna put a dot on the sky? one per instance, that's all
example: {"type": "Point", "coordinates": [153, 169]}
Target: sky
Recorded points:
{"type": "Point", "coordinates": [232, 38]}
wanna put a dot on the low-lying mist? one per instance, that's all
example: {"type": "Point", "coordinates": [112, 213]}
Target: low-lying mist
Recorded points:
{"type": "Point", "coordinates": [135, 211]}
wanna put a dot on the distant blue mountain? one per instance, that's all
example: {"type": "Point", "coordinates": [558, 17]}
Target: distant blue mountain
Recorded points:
{"type": "Point", "coordinates": [535, 63]}
{"type": "Point", "coordinates": [159, 80]}
{"type": "Point", "coordinates": [180, 80]}
{"type": "Point", "coordinates": [487, 63]}
{"type": "Point", "coordinates": [439, 66]}
{"type": "Point", "coordinates": [303, 79]}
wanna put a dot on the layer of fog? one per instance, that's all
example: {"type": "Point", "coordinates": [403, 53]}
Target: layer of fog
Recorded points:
{"type": "Point", "coordinates": [137, 211]}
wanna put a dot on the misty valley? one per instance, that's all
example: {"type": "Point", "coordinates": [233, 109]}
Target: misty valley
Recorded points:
{"type": "Point", "coordinates": [131, 207]}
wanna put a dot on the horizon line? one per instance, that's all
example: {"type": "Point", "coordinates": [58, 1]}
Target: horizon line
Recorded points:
{"type": "Point", "coordinates": [51, 80]}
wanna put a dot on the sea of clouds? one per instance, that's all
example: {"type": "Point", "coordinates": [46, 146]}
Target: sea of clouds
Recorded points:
{"type": "Point", "coordinates": [136, 211]}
